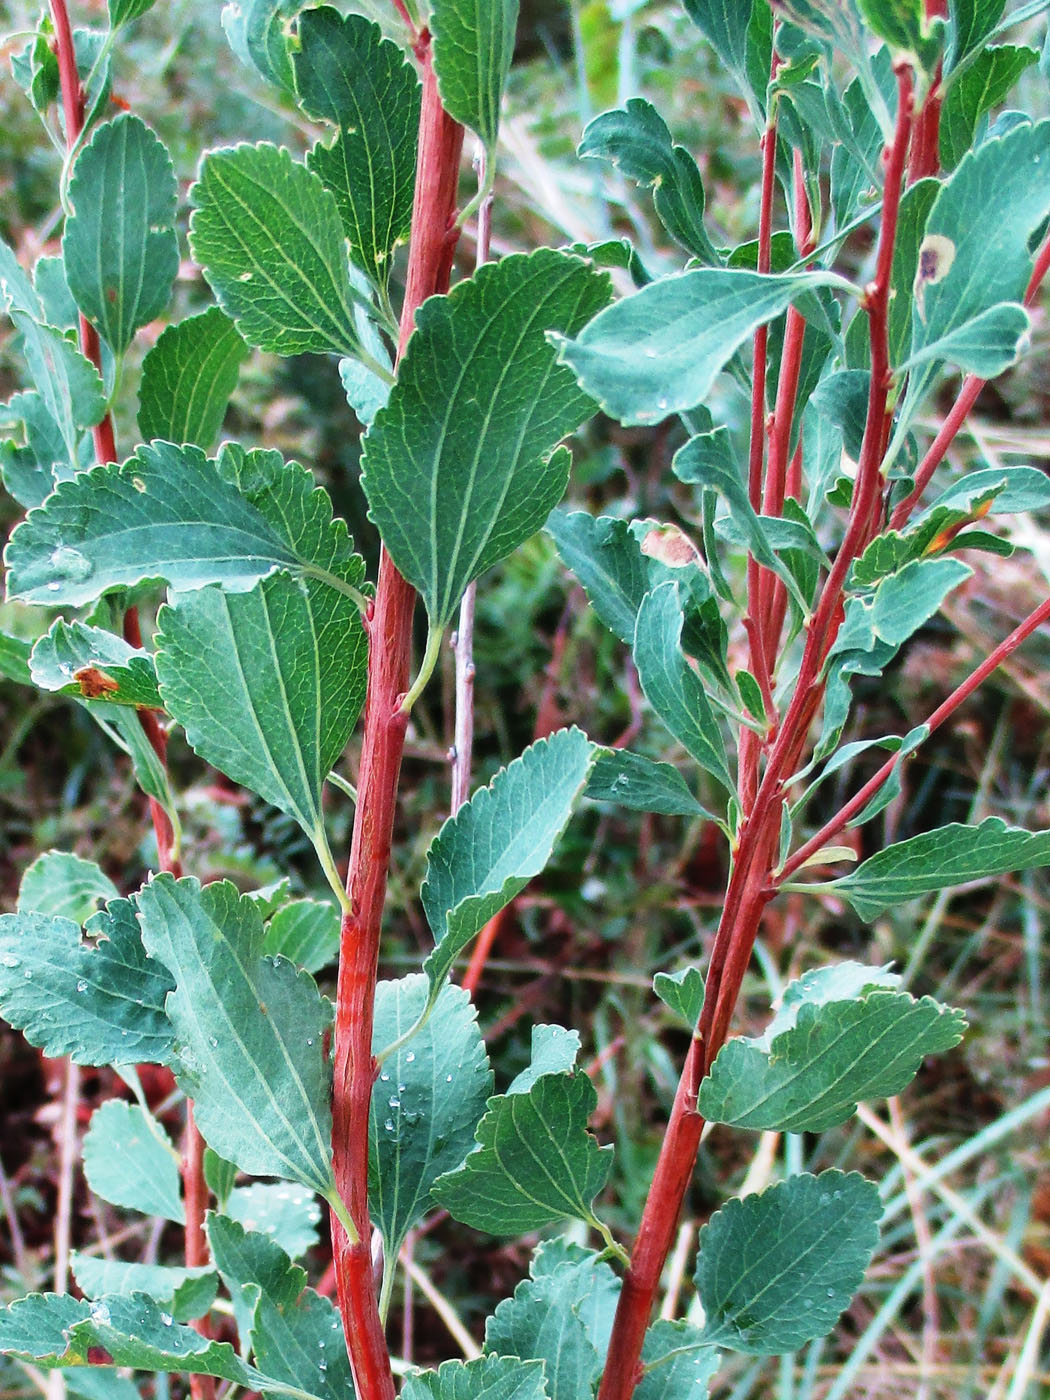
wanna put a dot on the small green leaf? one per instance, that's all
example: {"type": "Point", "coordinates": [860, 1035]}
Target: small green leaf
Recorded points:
{"type": "Point", "coordinates": [543, 1322]}
{"type": "Point", "coordinates": [130, 1161]}
{"type": "Point", "coordinates": [185, 1293]}
{"type": "Point", "coordinates": [170, 512]}
{"type": "Point", "coordinates": [219, 1176]}
{"type": "Point", "coordinates": [99, 1000]}
{"type": "Point", "coordinates": [554, 1051]}
{"type": "Point", "coordinates": [63, 885]}
{"type": "Point", "coordinates": [937, 860]}
{"type": "Point", "coordinates": [974, 254]}
{"type": "Point", "coordinates": [659, 351]}
{"type": "Point", "coordinates": [270, 240]}
{"type": "Point", "coordinates": [607, 560]}
{"type": "Point", "coordinates": [678, 1363]}
{"type": "Point", "coordinates": [257, 31]}
{"type": "Point", "coordinates": [14, 659]}
{"type": "Point", "coordinates": [489, 851]}
{"type": "Point", "coordinates": [249, 1032]}
{"type": "Point", "coordinates": [671, 685]}
{"type": "Point", "coordinates": [69, 385]}
{"type": "Point", "coordinates": [301, 1344]}
{"type": "Point", "coordinates": [305, 931]}
{"type": "Point", "coordinates": [1009, 490]}
{"type": "Point", "coordinates": [777, 1269]}
{"type": "Point", "coordinates": [635, 139]}
{"type": "Point", "coordinates": [245, 1258]}
{"type": "Point", "coordinates": [92, 664]}
{"type": "Point", "coordinates": [124, 11]}
{"type": "Point", "coordinates": [636, 782]}
{"type": "Point", "coordinates": [487, 1378]}
{"type": "Point", "coordinates": [188, 377]}
{"type": "Point", "coordinates": [458, 467]}
{"type": "Point", "coordinates": [286, 1214]}
{"type": "Point", "coordinates": [683, 992]}
{"type": "Point", "coordinates": [724, 24]}
{"type": "Point", "coordinates": [473, 48]}
{"type": "Point", "coordinates": [904, 26]}
{"type": "Point", "coordinates": [987, 344]}
{"type": "Point", "coordinates": [830, 1056]}
{"type": "Point", "coordinates": [347, 74]}
{"type": "Point", "coordinates": [984, 85]}
{"type": "Point", "coordinates": [426, 1101]}
{"type": "Point", "coordinates": [972, 21]}
{"type": "Point", "coordinates": [535, 1162]}
{"type": "Point", "coordinates": [119, 246]}
{"type": "Point", "coordinates": [35, 457]}
{"type": "Point", "coordinates": [268, 685]}
{"type": "Point", "coordinates": [906, 600]}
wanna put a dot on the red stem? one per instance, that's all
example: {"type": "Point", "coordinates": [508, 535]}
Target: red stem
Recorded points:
{"type": "Point", "coordinates": [925, 158]}
{"type": "Point", "coordinates": [749, 740]}
{"type": "Point", "coordinates": [389, 629]}
{"type": "Point", "coordinates": [860, 799]}
{"type": "Point", "coordinates": [748, 891]}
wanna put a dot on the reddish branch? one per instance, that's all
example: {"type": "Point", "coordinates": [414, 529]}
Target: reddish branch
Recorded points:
{"type": "Point", "coordinates": [925, 158]}
{"type": "Point", "coordinates": [389, 629]}
{"type": "Point", "coordinates": [749, 890]}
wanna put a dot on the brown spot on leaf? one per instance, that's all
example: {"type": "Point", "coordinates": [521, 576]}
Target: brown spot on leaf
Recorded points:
{"type": "Point", "coordinates": [94, 683]}
{"type": "Point", "coordinates": [671, 546]}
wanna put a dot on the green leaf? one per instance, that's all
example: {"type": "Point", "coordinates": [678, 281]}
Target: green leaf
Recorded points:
{"type": "Point", "coordinates": [832, 1056]}
{"type": "Point", "coordinates": [972, 21]}
{"type": "Point", "coordinates": [906, 600]}
{"type": "Point", "coordinates": [678, 1363]}
{"type": "Point", "coordinates": [458, 467]}
{"type": "Point", "coordinates": [777, 1269]}
{"type": "Point", "coordinates": [92, 664]}
{"type": "Point", "coordinates": [473, 48]}
{"type": "Point", "coordinates": [124, 11]}
{"type": "Point", "coordinates": [249, 1031]}
{"type": "Point", "coordinates": [306, 932]}
{"type": "Point", "coordinates": [268, 685]}
{"type": "Point", "coordinates": [607, 560]}
{"type": "Point", "coordinates": [35, 456]}
{"type": "Point", "coordinates": [270, 240]}
{"type": "Point", "coordinates": [188, 377]}
{"type": "Point", "coordinates": [904, 26]}
{"type": "Point", "coordinates": [974, 255]}
{"type": "Point", "coordinates": [14, 659]}
{"type": "Point", "coordinates": [492, 847]}
{"type": "Point", "coordinates": [286, 1214]}
{"type": "Point", "coordinates": [257, 31]}
{"type": "Point", "coordinates": [636, 140]}
{"type": "Point", "coordinates": [984, 85]}
{"type": "Point", "coordinates": [69, 385]}
{"type": "Point", "coordinates": [671, 685]}
{"type": "Point", "coordinates": [35, 1326]}
{"type": "Point", "coordinates": [245, 1258]}
{"type": "Point", "coordinates": [99, 1000]}
{"type": "Point", "coordinates": [535, 1162]}
{"type": "Point", "coordinates": [487, 1378]}
{"type": "Point", "coordinates": [301, 1344]}
{"type": "Point", "coordinates": [636, 782]}
{"type": "Point", "coordinates": [63, 885]}
{"type": "Point", "coordinates": [724, 24]}
{"type": "Point", "coordinates": [426, 1102]}
{"type": "Point", "coordinates": [683, 992]}
{"type": "Point", "coordinates": [1008, 489]}
{"type": "Point", "coordinates": [119, 246]}
{"type": "Point", "coordinates": [185, 1293]}
{"type": "Point", "coordinates": [170, 512]}
{"type": "Point", "coordinates": [987, 344]}
{"type": "Point", "coordinates": [936, 860]}
{"type": "Point", "coordinates": [130, 1162]}
{"type": "Point", "coordinates": [543, 1322]}
{"type": "Point", "coordinates": [659, 351]}
{"type": "Point", "coordinates": [347, 74]}
{"type": "Point", "coordinates": [554, 1051]}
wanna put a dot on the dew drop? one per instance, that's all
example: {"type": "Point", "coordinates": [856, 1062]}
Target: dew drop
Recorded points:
{"type": "Point", "coordinates": [166, 1319]}
{"type": "Point", "coordinates": [70, 563]}
{"type": "Point", "coordinates": [410, 1057]}
{"type": "Point", "coordinates": [82, 985]}
{"type": "Point", "coordinates": [9, 960]}
{"type": "Point", "coordinates": [27, 975]}
{"type": "Point", "coordinates": [99, 1313]}
{"type": "Point", "coordinates": [310, 1040]}
{"type": "Point", "coordinates": [385, 1077]}
{"type": "Point", "coordinates": [831, 1293]}
{"type": "Point", "coordinates": [395, 1103]}
{"type": "Point", "coordinates": [389, 1125]}
{"type": "Point", "coordinates": [448, 1079]}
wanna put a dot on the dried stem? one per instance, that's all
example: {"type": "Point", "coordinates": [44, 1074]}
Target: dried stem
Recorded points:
{"type": "Point", "coordinates": [389, 628]}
